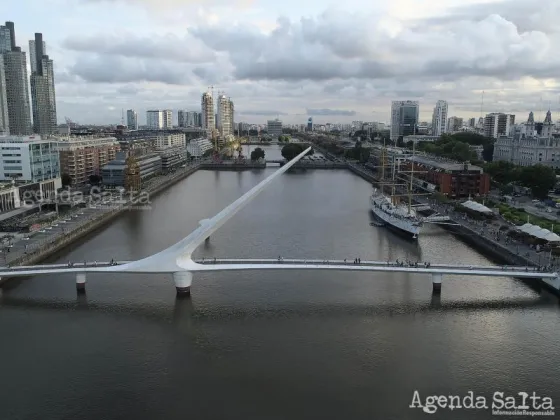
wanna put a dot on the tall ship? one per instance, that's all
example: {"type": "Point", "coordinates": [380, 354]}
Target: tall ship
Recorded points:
{"type": "Point", "coordinates": [394, 214]}
{"type": "Point", "coordinates": [389, 207]}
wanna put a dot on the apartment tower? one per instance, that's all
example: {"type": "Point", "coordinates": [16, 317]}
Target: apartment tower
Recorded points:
{"type": "Point", "coordinates": [15, 84]}
{"type": "Point", "coordinates": [439, 118]}
{"type": "Point", "coordinates": [42, 87]}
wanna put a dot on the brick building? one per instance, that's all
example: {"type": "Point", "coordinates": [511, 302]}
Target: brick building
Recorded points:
{"type": "Point", "coordinates": [81, 157]}
{"type": "Point", "coordinates": [455, 180]}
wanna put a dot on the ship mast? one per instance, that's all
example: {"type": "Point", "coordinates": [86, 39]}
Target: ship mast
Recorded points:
{"type": "Point", "coordinates": [411, 178]}
{"type": "Point", "coordinates": [393, 200]}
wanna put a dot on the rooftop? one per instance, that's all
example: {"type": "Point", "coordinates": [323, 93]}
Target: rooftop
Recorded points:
{"type": "Point", "coordinates": [444, 164]}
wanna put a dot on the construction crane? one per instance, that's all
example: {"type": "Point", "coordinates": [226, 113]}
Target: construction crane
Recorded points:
{"type": "Point", "coordinates": [69, 122]}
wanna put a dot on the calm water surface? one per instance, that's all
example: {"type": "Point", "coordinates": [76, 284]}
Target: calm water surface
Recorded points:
{"type": "Point", "coordinates": [270, 345]}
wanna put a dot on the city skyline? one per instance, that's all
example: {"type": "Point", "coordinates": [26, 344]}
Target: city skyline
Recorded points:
{"type": "Point", "coordinates": [311, 60]}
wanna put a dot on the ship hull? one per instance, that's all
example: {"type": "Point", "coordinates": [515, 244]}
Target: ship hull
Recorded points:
{"type": "Point", "coordinates": [402, 226]}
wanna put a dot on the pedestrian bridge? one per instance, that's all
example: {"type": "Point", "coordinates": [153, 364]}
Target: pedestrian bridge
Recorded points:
{"type": "Point", "coordinates": [177, 260]}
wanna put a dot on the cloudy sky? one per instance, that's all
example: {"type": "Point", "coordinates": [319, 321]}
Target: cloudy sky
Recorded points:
{"type": "Point", "coordinates": [337, 62]}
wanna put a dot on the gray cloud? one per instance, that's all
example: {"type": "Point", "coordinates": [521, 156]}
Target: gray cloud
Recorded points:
{"type": "Point", "coordinates": [331, 112]}
{"type": "Point", "coordinates": [343, 46]}
{"type": "Point", "coordinates": [351, 64]}
{"type": "Point", "coordinates": [108, 69]}
{"type": "Point", "coordinates": [526, 15]}
{"type": "Point", "coordinates": [261, 112]}
{"type": "Point", "coordinates": [168, 47]}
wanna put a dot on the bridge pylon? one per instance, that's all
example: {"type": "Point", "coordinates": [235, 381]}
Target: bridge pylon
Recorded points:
{"type": "Point", "coordinates": [436, 283]}
{"type": "Point", "coordinates": [81, 283]}
{"type": "Point", "coordinates": [183, 282]}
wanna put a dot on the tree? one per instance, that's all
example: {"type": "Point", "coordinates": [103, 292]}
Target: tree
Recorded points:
{"type": "Point", "coordinates": [488, 152]}
{"type": "Point", "coordinates": [291, 150]}
{"type": "Point", "coordinates": [257, 154]}
{"type": "Point", "coordinates": [539, 178]}
{"type": "Point", "coordinates": [503, 172]}
{"type": "Point", "coordinates": [95, 179]}
{"type": "Point", "coordinates": [66, 180]}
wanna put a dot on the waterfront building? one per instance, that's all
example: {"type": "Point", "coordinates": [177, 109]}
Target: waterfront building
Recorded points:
{"type": "Point", "coordinates": [225, 117]}
{"type": "Point", "coordinates": [197, 147]}
{"type": "Point", "coordinates": [454, 180]}
{"type": "Point", "coordinates": [172, 157]}
{"type": "Point", "coordinates": [115, 172]}
{"type": "Point", "coordinates": [28, 158]}
{"type": "Point", "coordinates": [81, 157]}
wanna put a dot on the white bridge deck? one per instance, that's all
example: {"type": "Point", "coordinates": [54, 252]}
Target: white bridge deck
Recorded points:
{"type": "Point", "coordinates": [227, 264]}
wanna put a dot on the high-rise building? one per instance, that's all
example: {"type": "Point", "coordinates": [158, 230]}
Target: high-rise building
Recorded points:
{"type": "Point", "coordinates": [4, 119]}
{"type": "Point", "coordinates": [15, 82]}
{"type": "Point", "coordinates": [208, 117]}
{"type": "Point", "coordinates": [193, 119]}
{"type": "Point", "coordinates": [188, 118]}
{"type": "Point", "coordinates": [225, 116]}
{"type": "Point", "coordinates": [310, 124]}
{"type": "Point", "coordinates": [154, 119]}
{"type": "Point", "coordinates": [439, 118]}
{"type": "Point", "coordinates": [232, 116]}
{"type": "Point", "coordinates": [454, 124]}
{"type": "Point", "coordinates": [404, 118]}
{"type": "Point", "coordinates": [181, 118]}
{"type": "Point", "coordinates": [167, 118]}
{"type": "Point", "coordinates": [42, 87]}
{"type": "Point", "coordinates": [7, 37]}
{"type": "Point", "coordinates": [131, 119]}
{"type": "Point", "coordinates": [498, 124]}
{"type": "Point", "coordinates": [33, 52]}
{"type": "Point", "coordinates": [274, 128]}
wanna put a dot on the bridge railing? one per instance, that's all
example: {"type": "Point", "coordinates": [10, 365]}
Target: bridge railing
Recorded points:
{"type": "Point", "coordinates": [210, 261]}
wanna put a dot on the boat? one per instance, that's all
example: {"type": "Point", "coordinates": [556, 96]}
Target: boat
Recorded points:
{"type": "Point", "coordinates": [388, 207]}
{"type": "Point", "coordinates": [395, 215]}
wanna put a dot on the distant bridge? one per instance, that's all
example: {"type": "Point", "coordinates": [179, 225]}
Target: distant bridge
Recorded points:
{"type": "Point", "coordinates": [177, 259]}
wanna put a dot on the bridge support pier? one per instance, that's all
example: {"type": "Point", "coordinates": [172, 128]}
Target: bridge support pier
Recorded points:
{"type": "Point", "coordinates": [183, 281]}
{"type": "Point", "coordinates": [81, 282]}
{"type": "Point", "coordinates": [436, 283]}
